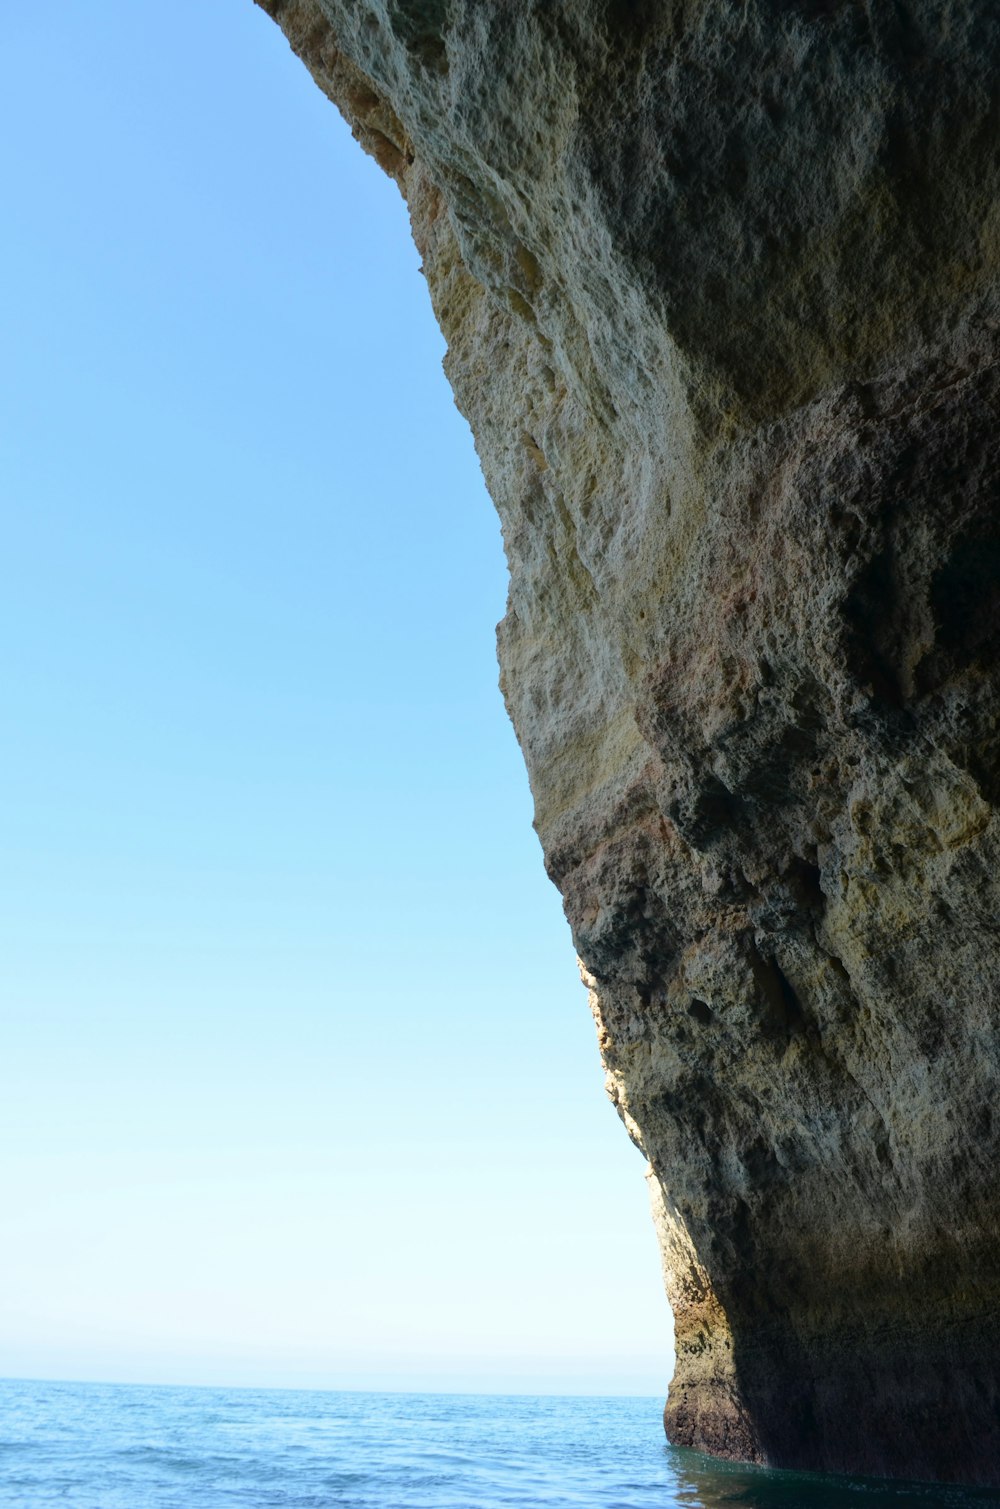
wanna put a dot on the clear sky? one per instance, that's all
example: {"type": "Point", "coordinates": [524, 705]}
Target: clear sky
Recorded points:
{"type": "Point", "coordinates": [298, 1083]}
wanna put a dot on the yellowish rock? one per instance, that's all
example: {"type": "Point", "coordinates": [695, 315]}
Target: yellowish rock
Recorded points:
{"type": "Point", "coordinates": [719, 286]}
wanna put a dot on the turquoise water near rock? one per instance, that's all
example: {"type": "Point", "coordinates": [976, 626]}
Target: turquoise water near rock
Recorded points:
{"type": "Point", "coordinates": [111, 1446]}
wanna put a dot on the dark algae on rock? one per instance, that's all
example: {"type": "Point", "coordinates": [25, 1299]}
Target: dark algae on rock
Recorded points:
{"type": "Point", "coordinates": [719, 284]}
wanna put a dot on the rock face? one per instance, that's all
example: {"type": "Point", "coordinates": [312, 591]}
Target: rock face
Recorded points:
{"type": "Point", "coordinates": [719, 284]}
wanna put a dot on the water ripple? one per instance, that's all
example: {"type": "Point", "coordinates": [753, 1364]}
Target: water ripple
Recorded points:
{"type": "Point", "coordinates": [98, 1446]}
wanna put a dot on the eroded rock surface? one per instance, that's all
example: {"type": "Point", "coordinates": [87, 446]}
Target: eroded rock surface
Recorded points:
{"type": "Point", "coordinates": [719, 284]}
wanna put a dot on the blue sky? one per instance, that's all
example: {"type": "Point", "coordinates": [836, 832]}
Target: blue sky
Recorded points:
{"type": "Point", "coordinates": [298, 1082]}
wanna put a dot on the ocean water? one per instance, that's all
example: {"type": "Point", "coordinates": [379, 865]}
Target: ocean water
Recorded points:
{"type": "Point", "coordinates": [129, 1447]}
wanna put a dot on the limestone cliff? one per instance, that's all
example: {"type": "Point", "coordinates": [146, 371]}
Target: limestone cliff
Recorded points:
{"type": "Point", "coordinates": [719, 284]}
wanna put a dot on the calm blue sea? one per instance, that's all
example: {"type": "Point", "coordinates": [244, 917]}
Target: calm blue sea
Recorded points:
{"type": "Point", "coordinates": [129, 1447]}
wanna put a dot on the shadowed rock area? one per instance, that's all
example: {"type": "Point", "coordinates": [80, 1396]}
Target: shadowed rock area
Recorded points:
{"type": "Point", "coordinates": [719, 284]}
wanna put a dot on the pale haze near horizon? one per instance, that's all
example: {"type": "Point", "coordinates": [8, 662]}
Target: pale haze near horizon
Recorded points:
{"type": "Point", "coordinates": [298, 1085]}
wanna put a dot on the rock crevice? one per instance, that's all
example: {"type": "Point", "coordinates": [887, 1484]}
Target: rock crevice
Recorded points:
{"type": "Point", "coordinates": [719, 287]}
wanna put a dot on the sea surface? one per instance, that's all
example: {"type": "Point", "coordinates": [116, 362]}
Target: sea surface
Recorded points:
{"type": "Point", "coordinates": [109, 1446]}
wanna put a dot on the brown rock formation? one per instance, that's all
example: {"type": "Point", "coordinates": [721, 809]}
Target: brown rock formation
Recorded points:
{"type": "Point", "coordinates": [719, 285]}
